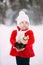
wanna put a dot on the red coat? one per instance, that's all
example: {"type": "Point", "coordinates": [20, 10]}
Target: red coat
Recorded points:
{"type": "Point", "coordinates": [28, 51]}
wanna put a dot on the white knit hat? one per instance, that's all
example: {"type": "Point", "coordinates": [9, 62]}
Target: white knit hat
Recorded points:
{"type": "Point", "coordinates": [22, 17]}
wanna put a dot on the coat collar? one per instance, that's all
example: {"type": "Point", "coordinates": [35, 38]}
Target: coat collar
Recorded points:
{"type": "Point", "coordinates": [20, 29]}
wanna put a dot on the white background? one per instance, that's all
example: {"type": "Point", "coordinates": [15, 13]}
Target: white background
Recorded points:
{"type": "Point", "coordinates": [5, 46]}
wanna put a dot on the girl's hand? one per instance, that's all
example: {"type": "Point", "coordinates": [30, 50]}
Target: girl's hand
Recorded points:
{"type": "Point", "coordinates": [20, 49]}
{"type": "Point", "coordinates": [23, 41]}
{"type": "Point", "coordinates": [25, 38]}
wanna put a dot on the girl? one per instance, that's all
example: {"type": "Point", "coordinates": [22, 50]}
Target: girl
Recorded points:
{"type": "Point", "coordinates": [22, 40]}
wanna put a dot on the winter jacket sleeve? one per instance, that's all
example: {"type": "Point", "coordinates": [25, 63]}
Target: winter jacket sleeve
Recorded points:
{"type": "Point", "coordinates": [13, 37]}
{"type": "Point", "coordinates": [31, 38]}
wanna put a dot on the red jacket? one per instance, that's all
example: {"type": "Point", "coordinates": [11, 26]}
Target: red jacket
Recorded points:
{"type": "Point", "coordinates": [28, 51]}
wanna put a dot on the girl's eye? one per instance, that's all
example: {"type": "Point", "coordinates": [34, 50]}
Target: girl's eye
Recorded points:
{"type": "Point", "coordinates": [22, 22]}
{"type": "Point", "coordinates": [26, 22]}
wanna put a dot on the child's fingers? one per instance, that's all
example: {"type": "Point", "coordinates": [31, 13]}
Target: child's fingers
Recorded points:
{"type": "Point", "coordinates": [24, 41]}
{"type": "Point", "coordinates": [20, 49]}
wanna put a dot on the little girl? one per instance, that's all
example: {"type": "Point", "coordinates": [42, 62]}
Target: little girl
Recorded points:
{"type": "Point", "coordinates": [22, 40]}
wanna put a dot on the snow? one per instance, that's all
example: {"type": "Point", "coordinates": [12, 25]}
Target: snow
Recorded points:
{"type": "Point", "coordinates": [5, 46]}
{"type": "Point", "coordinates": [38, 45]}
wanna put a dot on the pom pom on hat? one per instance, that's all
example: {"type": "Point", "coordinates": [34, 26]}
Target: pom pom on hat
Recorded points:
{"type": "Point", "coordinates": [21, 13]}
{"type": "Point", "coordinates": [22, 17]}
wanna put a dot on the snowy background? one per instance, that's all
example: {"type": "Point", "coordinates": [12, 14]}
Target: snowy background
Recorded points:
{"type": "Point", "coordinates": [5, 46]}
{"type": "Point", "coordinates": [9, 10]}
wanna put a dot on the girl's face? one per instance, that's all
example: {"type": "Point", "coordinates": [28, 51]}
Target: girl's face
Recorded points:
{"type": "Point", "coordinates": [24, 25]}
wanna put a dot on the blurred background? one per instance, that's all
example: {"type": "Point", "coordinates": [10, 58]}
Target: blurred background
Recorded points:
{"type": "Point", "coordinates": [9, 10]}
